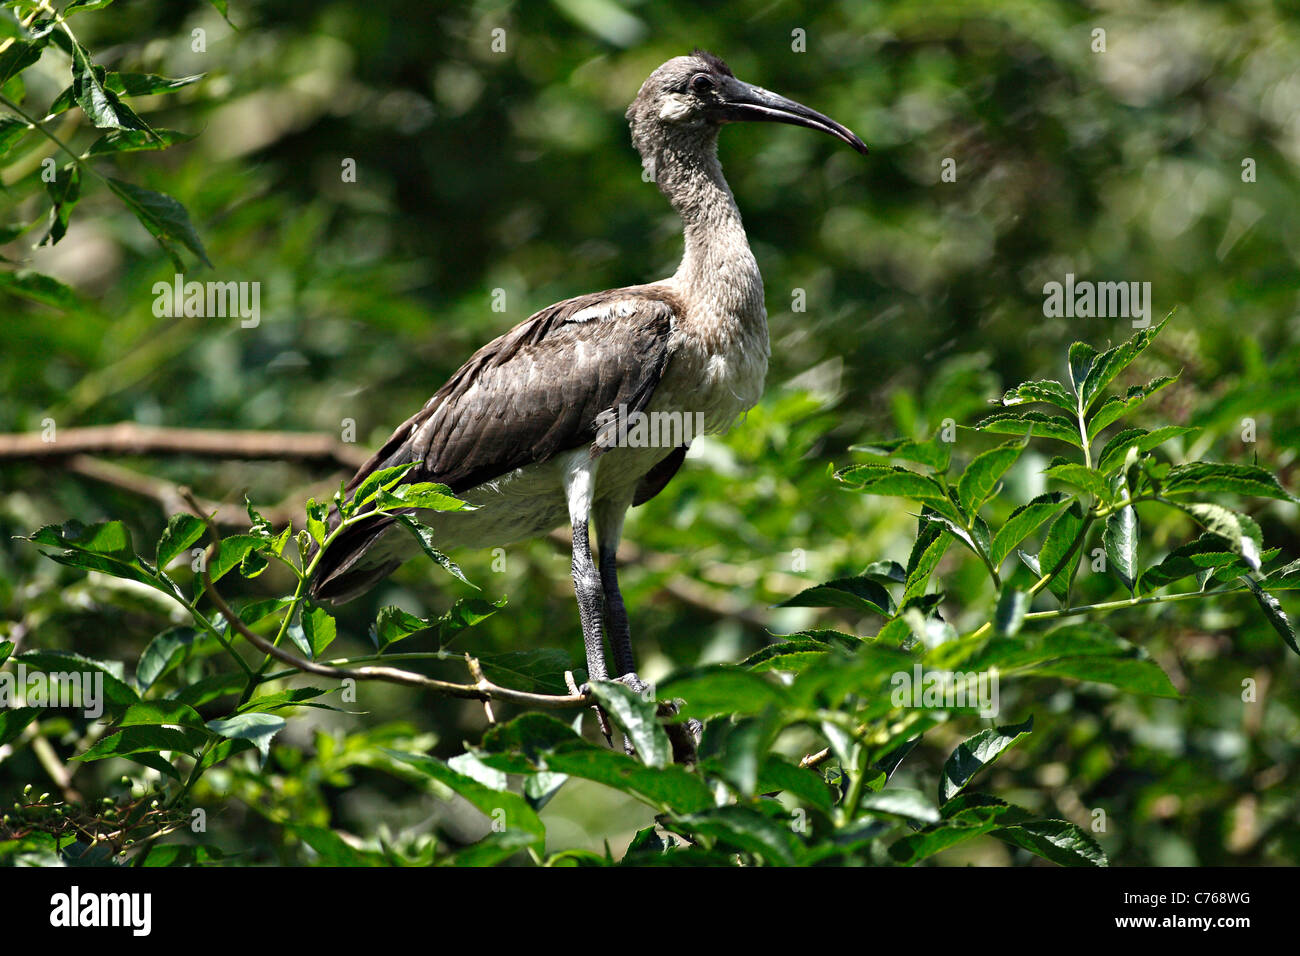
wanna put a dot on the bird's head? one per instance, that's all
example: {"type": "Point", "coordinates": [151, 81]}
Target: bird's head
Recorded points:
{"type": "Point", "coordinates": [691, 96]}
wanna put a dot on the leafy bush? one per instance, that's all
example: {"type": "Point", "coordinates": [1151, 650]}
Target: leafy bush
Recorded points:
{"type": "Point", "coordinates": [202, 719]}
{"type": "Point", "coordinates": [101, 94]}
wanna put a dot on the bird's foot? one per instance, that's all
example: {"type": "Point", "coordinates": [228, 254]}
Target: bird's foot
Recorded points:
{"type": "Point", "coordinates": [684, 736]}
{"type": "Point", "coordinates": [634, 683]}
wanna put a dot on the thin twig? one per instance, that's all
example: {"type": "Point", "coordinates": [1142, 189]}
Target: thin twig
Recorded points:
{"type": "Point", "coordinates": [482, 689]}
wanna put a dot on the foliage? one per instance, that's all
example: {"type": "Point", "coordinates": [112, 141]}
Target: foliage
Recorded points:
{"type": "Point", "coordinates": [742, 800]}
{"type": "Point", "coordinates": [491, 184]}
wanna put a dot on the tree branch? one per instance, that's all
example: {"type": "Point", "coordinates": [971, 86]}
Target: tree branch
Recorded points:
{"type": "Point", "coordinates": [128, 438]}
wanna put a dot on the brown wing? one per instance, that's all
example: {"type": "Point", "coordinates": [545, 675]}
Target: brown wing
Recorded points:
{"type": "Point", "coordinates": [533, 392]}
{"type": "Point", "coordinates": [537, 390]}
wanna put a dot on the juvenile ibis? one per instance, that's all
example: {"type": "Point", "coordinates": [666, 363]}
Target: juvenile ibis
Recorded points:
{"type": "Point", "coordinates": [522, 431]}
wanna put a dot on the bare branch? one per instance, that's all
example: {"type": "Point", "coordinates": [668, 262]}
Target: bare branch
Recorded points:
{"type": "Point", "coordinates": [128, 438]}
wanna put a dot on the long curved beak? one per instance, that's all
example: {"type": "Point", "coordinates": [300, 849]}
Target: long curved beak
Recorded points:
{"type": "Point", "coordinates": [742, 102]}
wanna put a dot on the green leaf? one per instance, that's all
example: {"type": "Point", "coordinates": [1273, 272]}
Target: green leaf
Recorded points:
{"type": "Point", "coordinates": [1202, 477]}
{"type": "Point", "coordinates": [1208, 551]}
{"type": "Point", "coordinates": [11, 131]}
{"type": "Point", "coordinates": [929, 548]}
{"type": "Point", "coordinates": [1086, 651]}
{"type": "Point", "coordinates": [977, 538]}
{"type": "Point", "coordinates": [393, 624]}
{"type": "Point", "coordinates": [539, 669]}
{"type": "Point", "coordinates": [1240, 531]}
{"type": "Point", "coordinates": [77, 5]}
{"type": "Point", "coordinates": [100, 104]}
{"type": "Point", "coordinates": [1082, 477]}
{"type": "Point", "coordinates": [1104, 367]}
{"type": "Point", "coordinates": [294, 697]}
{"type": "Point", "coordinates": [164, 217]}
{"type": "Point", "coordinates": [907, 804]}
{"type": "Point", "coordinates": [722, 689]}
{"type": "Point", "coordinates": [1135, 675]}
{"type": "Point", "coordinates": [182, 531]}
{"type": "Point", "coordinates": [423, 494]}
{"type": "Point", "coordinates": [856, 594]}
{"type": "Point", "coordinates": [508, 808]}
{"type": "Point", "coordinates": [1115, 408]}
{"type": "Point", "coordinates": [116, 690]}
{"type": "Point", "coordinates": [980, 479]}
{"type": "Point", "coordinates": [1056, 546]}
{"type": "Point", "coordinates": [385, 478]}
{"type": "Point", "coordinates": [735, 750]}
{"type": "Point", "coordinates": [1032, 423]}
{"type": "Point", "coordinates": [976, 753]}
{"type": "Point", "coordinates": [222, 7]}
{"type": "Point", "coordinates": [933, 453]}
{"type": "Point", "coordinates": [424, 534]}
{"type": "Point", "coordinates": [1055, 840]}
{"type": "Point", "coordinates": [231, 553]}
{"type": "Point", "coordinates": [145, 739]}
{"type": "Point", "coordinates": [14, 720]}
{"type": "Point", "coordinates": [886, 572]}
{"type": "Point", "coordinates": [319, 628]}
{"type": "Point", "coordinates": [891, 481]}
{"type": "Point", "coordinates": [745, 830]}
{"type": "Point", "coordinates": [1010, 614]}
{"type": "Point", "coordinates": [109, 538]}
{"type": "Point", "coordinates": [64, 192]}
{"type": "Point", "coordinates": [1082, 356]}
{"type": "Point", "coordinates": [104, 547]}
{"type": "Point", "coordinates": [1023, 522]}
{"type": "Point", "coordinates": [332, 849]}
{"type": "Point", "coordinates": [40, 288]}
{"type": "Point", "coordinates": [1050, 392]}
{"type": "Point", "coordinates": [1120, 539]}
{"type": "Point", "coordinates": [636, 717]}
{"type": "Point", "coordinates": [1272, 609]}
{"type": "Point", "coordinates": [18, 56]}
{"type": "Point", "coordinates": [128, 84]}
{"type": "Point", "coordinates": [6, 648]}
{"type": "Point", "coordinates": [164, 652]}
{"type": "Point", "coordinates": [158, 713]}
{"type": "Point", "coordinates": [256, 728]}
{"type": "Point", "coordinates": [1116, 450]}
{"type": "Point", "coordinates": [779, 774]}
{"type": "Point", "coordinates": [538, 742]}
{"type": "Point", "coordinates": [137, 140]}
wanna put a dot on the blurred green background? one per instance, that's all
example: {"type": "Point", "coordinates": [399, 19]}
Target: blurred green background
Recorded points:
{"type": "Point", "coordinates": [480, 171]}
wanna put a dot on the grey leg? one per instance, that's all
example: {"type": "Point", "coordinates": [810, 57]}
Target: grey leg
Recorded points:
{"type": "Point", "coordinates": [620, 633]}
{"type": "Point", "coordinates": [579, 488]}
{"type": "Point", "coordinates": [586, 585]}
{"type": "Point", "coordinates": [609, 516]}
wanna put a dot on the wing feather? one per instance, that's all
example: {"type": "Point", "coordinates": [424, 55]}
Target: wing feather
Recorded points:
{"type": "Point", "coordinates": [535, 391]}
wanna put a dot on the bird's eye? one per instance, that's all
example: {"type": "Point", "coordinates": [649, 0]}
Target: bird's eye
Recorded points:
{"type": "Point", "coordinates": [702, 83]}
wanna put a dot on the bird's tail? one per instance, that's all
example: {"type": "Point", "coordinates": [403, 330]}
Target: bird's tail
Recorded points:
{"type": "Point", "coordinates": [352, 564]}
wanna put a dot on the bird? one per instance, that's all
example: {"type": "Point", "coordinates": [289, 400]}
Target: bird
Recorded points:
{"type": "Point", "coordinates": [531, 431]}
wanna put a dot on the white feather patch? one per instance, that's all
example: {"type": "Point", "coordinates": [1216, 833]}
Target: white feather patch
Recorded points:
{"type": "Point", "coordinates": [676, 107]}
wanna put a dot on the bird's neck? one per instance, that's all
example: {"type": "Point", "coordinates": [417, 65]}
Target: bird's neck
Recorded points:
{"type": "Point", "coordinates": [718, 273]}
